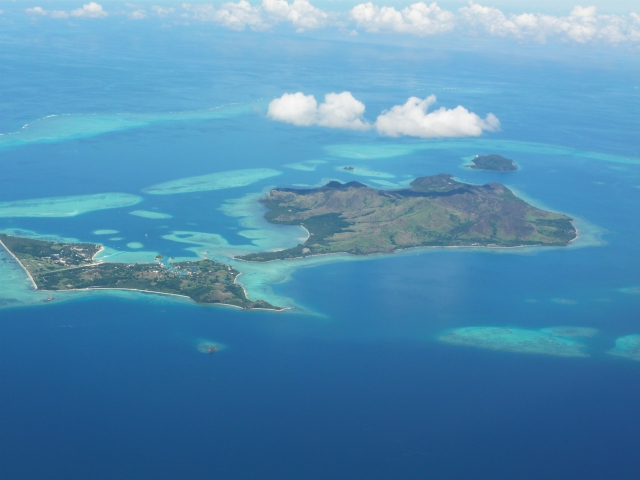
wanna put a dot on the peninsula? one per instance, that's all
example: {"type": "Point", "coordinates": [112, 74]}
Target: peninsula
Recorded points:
{"type": "Point", "coordinates": [55, 266]}
{"type": "Point", "coordinates": [494, 163]}
{"type": "Point", "coordinates": [437, 211]}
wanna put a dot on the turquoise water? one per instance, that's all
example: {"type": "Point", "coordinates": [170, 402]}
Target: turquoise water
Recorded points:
{"type": "Point", "coordinates": [354, 381]}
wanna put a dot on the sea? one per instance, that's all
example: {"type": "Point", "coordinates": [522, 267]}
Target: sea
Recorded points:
{"type": "Point", "coordinates": [354, 381]}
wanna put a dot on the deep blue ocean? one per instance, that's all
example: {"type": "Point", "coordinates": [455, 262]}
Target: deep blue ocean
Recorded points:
{"type": "Point", "coordinates": [355, 384]}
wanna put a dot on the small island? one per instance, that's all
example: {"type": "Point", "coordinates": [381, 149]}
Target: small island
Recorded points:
{"type": "Point", "coordinates": [54, 266]}
{"type": "Point", "coordinates": [494, 163]}
{"type": "Point", "coordinates": [437, 211]}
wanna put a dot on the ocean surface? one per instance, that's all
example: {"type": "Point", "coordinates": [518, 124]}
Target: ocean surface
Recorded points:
{"type": "Point", "coordinates": [353, 382]}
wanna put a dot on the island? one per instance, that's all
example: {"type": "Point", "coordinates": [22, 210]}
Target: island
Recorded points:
{"type": "Point", "coordinates": [494, 163]}
{"type": "Point", "coordinates": [55, 266]}
{"type": "Point", "coordinates": [437, 211]}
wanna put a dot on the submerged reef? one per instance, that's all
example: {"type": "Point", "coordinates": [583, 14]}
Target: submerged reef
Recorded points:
{"type": "Point", "coordinates": [437, 211]}
{"type": "Point", "coordinates": [214, 181]}
{"type": "Point", "coordinates": [571, 331]}
{"type": "Point", "coordinates": [66, 206]}
{"type": "Point", "coordinates": [207, 346]}
{"type": "Point", "coordinates": [557, 341]}
{"type": "Point", "coordinates": [627, 347]}
{"type": "Point", "coordinates": [389, 150]}
{"type": "Point", "coordinates": [364, 172]}
{"type": "Point", "coordinates": [57, 128]}
{"type": "Point", "coordinates": [151, 215]}
{"type": "Point", "coordinates": [631, 290]}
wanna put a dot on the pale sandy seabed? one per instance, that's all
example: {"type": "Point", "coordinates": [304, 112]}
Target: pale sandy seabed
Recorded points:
{"type": "Point", "coordinates": [150, 215]}
{"type": "Point", "coordinates": [204, 345]}
{"type": "Point", "coordinates": [627, 347]}
{"type": "Point", "coordinates": [557, 341]}
{"type": "Point", "coordinates": [363, 171]}
{"type": "Point", "coordinates": [390, 150]}
{"type": "Point", "coordinates": [66, 206]}
{"type": "Point", "coordinates": [635, 290]}
{"type": "Point", "coordinates": [213, 181]}
{"type": "Point", "coordinates": [57, 128]}
{"type": "Point", "coordinates": [305, 166]}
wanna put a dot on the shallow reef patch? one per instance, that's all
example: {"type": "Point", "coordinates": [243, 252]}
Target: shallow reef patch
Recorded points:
{"type": "Point", "coordinates": [627, 347]}
{"type": "Point", "coordinates": [66, 206]}
{"type": "Point", "coordinates": [213, 181]}
{"type": "Point", "coordinates": [151, 215]}
{"type": "Point", "coordinates": [556, 341]}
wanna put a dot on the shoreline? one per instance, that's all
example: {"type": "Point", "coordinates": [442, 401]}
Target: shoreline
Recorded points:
{"type": "Point", "coordinates": [247, 296]}
{"type": "Point", "coordinates": [33, 282]}
{"type": "Point", "coordinates": [88, 289]}
{"type": "Point", "coordinates": [407, 249]}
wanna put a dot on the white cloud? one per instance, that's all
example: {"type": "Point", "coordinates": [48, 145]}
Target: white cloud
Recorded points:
{"type": "Point", "coordinates": [342, 110]}
{"type": "Point", "coordinates": [418, 19]}
{"type": "Point", "coordinates": [137, 14]}
{"type": "Point", "coordinates": [582, 25]}
{"type": "Point", "coordinates": [58, 14]}
{"type": "Point", "coordinates": [89, 10]}
{"type": "Point", "coordinates": [296, 108]}
{"type": "Point", "coordinates": [38, 11]}
{"type": "Point", "coordinates": [238, 16]}
{"type": "Point", "coordinates": [301, 14]}
{"type": "Point", "coordinates": [412, 119]}
{"type": "Point", "coordinates": [162, 11]}
{"type": "Point", "coordinates": [235, 16]}
{"type": "Point", "coordinates": [339, 110]}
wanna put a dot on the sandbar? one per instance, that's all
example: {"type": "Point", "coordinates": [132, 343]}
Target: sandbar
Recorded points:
{"type": "Point", "coordinates": [151, 215]}
{"type": "Point", "coordinates": [66, 206]}
{"type": "Point", "coordinates": [519, 340]}
{"type": "Point", "coordinates": [213, 181]}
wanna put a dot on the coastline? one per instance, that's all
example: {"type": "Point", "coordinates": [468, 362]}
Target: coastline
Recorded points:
{"type": "Point", "coordinates": [88, 289]}
{"type": "Point", "coordinates": [33, 282]}
{"type": "Point", "coordinates": [235, 282]}
{"type": "Point", "coordinates": [419, 247]}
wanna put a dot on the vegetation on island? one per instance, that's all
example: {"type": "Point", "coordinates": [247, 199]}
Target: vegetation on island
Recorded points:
{"type": "Point", "coordinates": [70, 266]}
{"type": "Point", "coordinates": [437, 211]}
{"type": "Point", "coordinates": [495, 163]}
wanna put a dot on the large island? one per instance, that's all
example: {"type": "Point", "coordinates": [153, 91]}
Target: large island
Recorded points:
{"type": "Point", "coordinates": [54, 266]}
{"type": "Point", "coordinates": [437, 211]}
